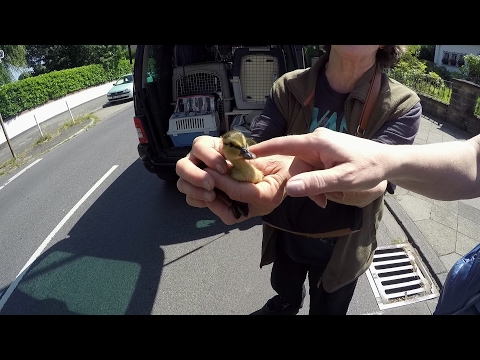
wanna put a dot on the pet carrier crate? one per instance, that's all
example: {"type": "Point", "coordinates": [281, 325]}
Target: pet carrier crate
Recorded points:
{"type": "Point", "coordinates": [253, 73]}
{"type": "Point", "coordinates": [193, 116]}
{"type": "Point", "coordinates": [201, 79]}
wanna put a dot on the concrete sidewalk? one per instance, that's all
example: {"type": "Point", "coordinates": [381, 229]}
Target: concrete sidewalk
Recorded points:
{"type": "Point", "coordinates": [441, 231]}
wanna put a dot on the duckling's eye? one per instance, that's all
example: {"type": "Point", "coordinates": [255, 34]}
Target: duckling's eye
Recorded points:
{"type": "Point", "coordinates": [231, 145]}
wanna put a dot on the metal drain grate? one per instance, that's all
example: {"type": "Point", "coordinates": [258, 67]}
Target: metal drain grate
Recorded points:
{"type": "Point", "coordinates": [398, 277]}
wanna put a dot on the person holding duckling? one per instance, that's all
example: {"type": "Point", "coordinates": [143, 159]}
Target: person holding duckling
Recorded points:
{"type": "Point", "coordinates": [329, 94]}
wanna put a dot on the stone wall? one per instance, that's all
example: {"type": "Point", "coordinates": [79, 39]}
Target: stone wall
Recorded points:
{"type": "Point", "coordinates": [433, 108]}
{"type": "Point", "coordinates": [460, 111]}
{"type": "Point", "coordinates": [462, 105]}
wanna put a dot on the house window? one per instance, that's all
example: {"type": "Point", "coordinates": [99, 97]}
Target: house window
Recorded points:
{"type": "Point", "coordinates": [453, 59]}
{"type": "Point", "coordinates": [445, 58]}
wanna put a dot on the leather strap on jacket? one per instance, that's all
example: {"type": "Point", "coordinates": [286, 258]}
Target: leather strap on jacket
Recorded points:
{"type": "Point", "coordinates": [372, 95]}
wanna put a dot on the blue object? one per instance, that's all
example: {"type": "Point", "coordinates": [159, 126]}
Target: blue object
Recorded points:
{"type": "Point", "coordinates": [460, 294]}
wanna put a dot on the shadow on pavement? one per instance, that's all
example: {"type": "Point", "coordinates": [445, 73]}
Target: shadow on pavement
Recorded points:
{"type": "Point", "coordinates": [114, 103]}
{"type": "Point", "coordinates": [112, 260]}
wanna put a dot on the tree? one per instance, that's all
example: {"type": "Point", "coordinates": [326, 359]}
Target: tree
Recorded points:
{"type": "Point", "coordinates": [427, 52]}
{"type": "Point", "coordinates": [46, 58]}
{"type": "Point", "coordinates": [24, 75]}
{"type": "Point", "coordinates": [14, 59]}
{"type": "Point", "coordinates": [471, 69]}
{"type": "Point", "coordinates": [113, 54]}
{"type": "Point", "coordinates": [409, 63]}
{"type": "Point", "coordinates": [312, 51]}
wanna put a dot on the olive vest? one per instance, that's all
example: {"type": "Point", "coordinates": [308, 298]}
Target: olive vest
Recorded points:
{"type": "Point", "coordinates": [294, 95]}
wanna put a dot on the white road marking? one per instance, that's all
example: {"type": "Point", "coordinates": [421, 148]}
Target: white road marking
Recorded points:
{"type": "Point", "coordinates": [37, 253]}
{"type": "Point", "coordinates": [19, 173]}
{"type": "Point", "coordinates": [374, 313]}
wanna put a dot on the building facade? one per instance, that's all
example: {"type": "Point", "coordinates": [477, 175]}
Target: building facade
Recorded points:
{"type": "Point", "coordinates": [451, 56]}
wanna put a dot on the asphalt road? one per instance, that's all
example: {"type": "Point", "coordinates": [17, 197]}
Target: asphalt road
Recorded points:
{"type": "Point", "coordinates": [87, 230]}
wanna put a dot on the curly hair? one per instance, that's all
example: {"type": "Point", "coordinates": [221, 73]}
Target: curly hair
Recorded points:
{"type": "Point", "coordinates": [387, 56]}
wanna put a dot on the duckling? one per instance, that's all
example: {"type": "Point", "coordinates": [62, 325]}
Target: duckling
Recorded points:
{"type": "Point", "coordinates": [235, 149]}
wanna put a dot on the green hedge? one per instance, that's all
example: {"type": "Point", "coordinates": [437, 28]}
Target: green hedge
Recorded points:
{"type": "Point", "coordinates": [35, 91]}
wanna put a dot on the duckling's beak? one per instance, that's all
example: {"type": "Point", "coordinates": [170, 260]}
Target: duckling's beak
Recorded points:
{"type": "Point", "coordinates": [247, 154]}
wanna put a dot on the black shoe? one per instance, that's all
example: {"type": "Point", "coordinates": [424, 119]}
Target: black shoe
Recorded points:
{"type": "Point", "coordinates": [278, 306]}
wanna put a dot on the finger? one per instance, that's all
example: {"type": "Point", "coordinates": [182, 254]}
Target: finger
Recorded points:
{"type": "Point", "coordinates": [317, 182]}
{"type": "Point", "coordinates": [284, 145]}
{"type": "Point", "coordinates": [195, 192]}
{"type": "Point", "coordinates": [195, 202]}
{"type": "Point", "coordinates": [336, 195]}
{"type": "Point", "coordinates": [298, 166]}
{"type": "Point", "coordinates": [188, 170]}
{"type": "Point", "coordinates": [208, 150]}
{"type": "Point", "coordinates": [223, 211]}
{"type": "Point", "coordinates": [234, 189]}
{"type": "Point", "coordinates": [320, 200]}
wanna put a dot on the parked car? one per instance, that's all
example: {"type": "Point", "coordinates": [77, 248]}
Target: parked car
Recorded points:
{"type": "Point", "coordinates": [183, 91]}
{"type": "Point", "coordinates": [122, 89]}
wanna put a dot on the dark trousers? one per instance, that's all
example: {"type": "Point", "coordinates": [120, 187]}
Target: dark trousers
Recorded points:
{"type": "Point", "coordinates": [288, 278]}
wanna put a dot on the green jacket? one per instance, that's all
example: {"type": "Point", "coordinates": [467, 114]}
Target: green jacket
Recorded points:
{"type": "Point", "coordinates": [293, 94]}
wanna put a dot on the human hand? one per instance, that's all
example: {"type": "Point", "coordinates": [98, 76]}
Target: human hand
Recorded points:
{"type": "Point", "coordinates": [261, 197]}
{"type": "Point", "coordinates": [338, 163]}
{"type": "Point", "coordinates": [199, 185]}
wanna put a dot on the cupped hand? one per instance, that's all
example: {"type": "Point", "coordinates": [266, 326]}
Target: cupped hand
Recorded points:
{"type": "Point", "coordinates": [261, 197]}
{"type": "Point", "coordinates": [204, 170]}
{"type": "Point", "coordinates": [196, 183]}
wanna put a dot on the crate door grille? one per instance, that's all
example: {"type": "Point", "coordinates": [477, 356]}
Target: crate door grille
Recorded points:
{"type": "Point", "coordinates": [190, 123]}
{"type": "Point", "coordinates": [200, 83]}
{"type": "Point", "coordinates": [257, 74]}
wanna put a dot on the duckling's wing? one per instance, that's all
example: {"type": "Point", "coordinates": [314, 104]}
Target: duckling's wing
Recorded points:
{"type": "Point", "coordinates": [250, 141]}
{"type": "Point", "coordinates": [238, 208]}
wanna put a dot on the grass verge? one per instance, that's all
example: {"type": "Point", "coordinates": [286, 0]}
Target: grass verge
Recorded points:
{"type": "Point", "coordinates": [23, 158]}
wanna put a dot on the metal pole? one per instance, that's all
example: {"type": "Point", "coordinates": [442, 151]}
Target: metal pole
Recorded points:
{"type": "Point", "coordinates": [39, 128]}
{"type": "Point", "coordinates": [6, 137]}
{"type": "Point", "coordinates": [70, 111]}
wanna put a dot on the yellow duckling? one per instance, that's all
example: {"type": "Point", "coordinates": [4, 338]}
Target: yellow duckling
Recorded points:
{"type": "Point", "coordinates": [235, 149]}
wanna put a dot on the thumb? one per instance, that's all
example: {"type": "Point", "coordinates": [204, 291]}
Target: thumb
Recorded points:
{"type": "Point", "coordinates": [314, 183]}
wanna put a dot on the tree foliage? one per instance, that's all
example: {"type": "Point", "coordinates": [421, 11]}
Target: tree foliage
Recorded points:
{"type": "Point", "coordinates": [112, 54]}
{"type": "Point", "coordinates": [426, 52]}
{"type": "Point", "coordinates": [471, 69]}
{"type": "Point", "coordinates": [14, 59]}
{"type": "Point", "coordinates": [409, 63]}
{"type": "Point", "coordinates": [312, 51]}
{"type": "Point", "coordinates": [411, 59]}
{"type": "Point", "coordinates": [43, 59]}
{"type": "Point", "coordinates": [34, 91]}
